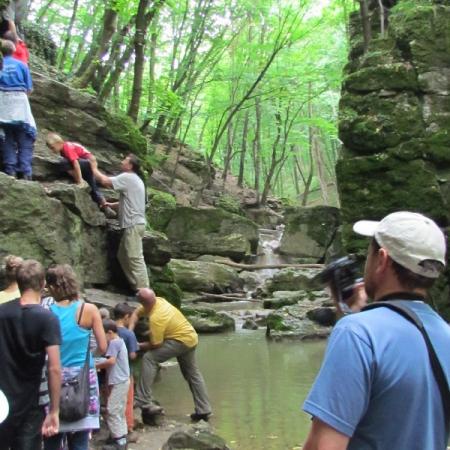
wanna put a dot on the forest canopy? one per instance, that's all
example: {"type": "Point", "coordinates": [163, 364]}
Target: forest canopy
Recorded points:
{"type": "Point", "coordinates": [253, 86]}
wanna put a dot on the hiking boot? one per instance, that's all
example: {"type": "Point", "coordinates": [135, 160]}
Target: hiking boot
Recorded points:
{"type": "Point", "coordinates": [196, 417]}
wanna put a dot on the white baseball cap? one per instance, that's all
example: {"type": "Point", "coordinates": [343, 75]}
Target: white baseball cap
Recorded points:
{"type": "Point", "coordinates": [4, 407]}
{"type": "Point", "coordinates": [411, 240]}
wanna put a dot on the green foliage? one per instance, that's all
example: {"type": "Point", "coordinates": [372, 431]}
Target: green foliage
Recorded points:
{"type": "Point", "coordinates": [201, 60]}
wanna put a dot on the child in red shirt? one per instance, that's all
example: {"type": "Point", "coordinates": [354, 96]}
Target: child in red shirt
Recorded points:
{"type": "Point", "coordinates": [80, 164]}
{"type": "Point", "coordinates": [21, 53]}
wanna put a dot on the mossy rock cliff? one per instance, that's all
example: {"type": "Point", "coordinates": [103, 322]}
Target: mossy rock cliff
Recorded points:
{"type": "Point", "coordinates": [207, 231]}
{"type": "Point", "coordinates": [59, 225]}
{"type": "Point", "coordinates": [395, 119]}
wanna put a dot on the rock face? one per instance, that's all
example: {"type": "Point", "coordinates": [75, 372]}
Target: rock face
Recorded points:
{"type": "Point", "coordinates": [200, 276]}
{"type": "Point", "coordinates": [210, 231]}
{"type": "Point", "coordinates": [395, 119]}
{"type": "Point", "coordinates": [60, 225]}
{"type": "Point", "coordinates": [310, 232]}
{"type": "Point", "coordinates": [77, 116]}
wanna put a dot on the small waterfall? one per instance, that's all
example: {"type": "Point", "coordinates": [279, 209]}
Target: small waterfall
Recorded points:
{"type": "Point", "coordinates": [269, 242]}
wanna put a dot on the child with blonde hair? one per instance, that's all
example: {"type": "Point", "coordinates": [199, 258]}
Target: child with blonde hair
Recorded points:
{"type": "Point", "coordinates": [81, 166]}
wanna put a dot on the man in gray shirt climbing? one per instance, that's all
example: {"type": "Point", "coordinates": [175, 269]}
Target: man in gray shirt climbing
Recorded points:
{"type": "Point", "coordinates": [131, 209]}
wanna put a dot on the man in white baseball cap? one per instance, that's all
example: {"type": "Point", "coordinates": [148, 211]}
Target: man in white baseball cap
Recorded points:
{"type": "Point", "coordinates": [377, 388]}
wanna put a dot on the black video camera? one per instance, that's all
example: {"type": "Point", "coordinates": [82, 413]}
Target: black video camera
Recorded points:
{"type": "Point", "coordinates": [342, 274]}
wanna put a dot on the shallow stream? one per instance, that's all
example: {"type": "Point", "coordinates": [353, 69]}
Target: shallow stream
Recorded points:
{"type": "Point", "coordinates": [256, 388]}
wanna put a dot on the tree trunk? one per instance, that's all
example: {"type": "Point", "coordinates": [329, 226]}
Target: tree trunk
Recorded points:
{"type": "Point", "coordinates": [143, 21]}
{"type": "Point", "coordinates": [151, 67]}
{"type": "Point", "coordinates": [365, 21]}
{"type": "Point", "coordinates": [257, 148]}
{"type": "Point", "coordinates": [68, 35]}
{"type": "Point", "coordinates": [100, 47]}
{"type": "Point", "coordinates": [113, 79]}
{"type": "Point", "coordinates": [43, 11]}
{"type": "Point", "coordinates": [243, 151]}
{"type": "Point", "coordinates": [115, 54]}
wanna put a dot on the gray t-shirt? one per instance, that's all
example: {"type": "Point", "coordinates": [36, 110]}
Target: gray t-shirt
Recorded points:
{"type": "Point", "coordinates": [120, 371]}
{"type": "Point", "coordinates": [131, 200]}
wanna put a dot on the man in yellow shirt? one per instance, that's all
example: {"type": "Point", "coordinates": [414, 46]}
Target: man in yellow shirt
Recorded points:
{"type": "Point", "coordinates": [170, 335]}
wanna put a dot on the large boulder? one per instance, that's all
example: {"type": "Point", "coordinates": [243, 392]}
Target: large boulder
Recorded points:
{"type": "Point", "coordinates": [195, 439]}
{"type": "Point", "coordinates": [210, 231]}
{"type": "Point", "coordinates": [78, 116]}
{"type": "Point", "coordinates": [207, 320]}
{"type": "Point", "coordinates": [292, 279]}
{"type": "Point", "coordinates": [64, 228]}
{"type": "Point", "coordinates": [200, 276]}
{"type": "Point", "coordinates": [309, 232]}
{"type": "Point", "coordinates": [304, 320]}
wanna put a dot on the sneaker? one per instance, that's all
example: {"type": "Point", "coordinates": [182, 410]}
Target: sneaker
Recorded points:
{"type": "Point", "coordinates": [196, 417]}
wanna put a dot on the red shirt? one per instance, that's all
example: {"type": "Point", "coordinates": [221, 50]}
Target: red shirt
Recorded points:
{"type": "Point", "coordinates": [21, 53]}
{"type": "Point", "coordinates": [73, 151]}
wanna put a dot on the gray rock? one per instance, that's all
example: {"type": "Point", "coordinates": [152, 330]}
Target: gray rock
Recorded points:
{"type": "Point", "coordinates": [250, 324]}
{"type": "Point", "coordinates": [203, 276]}
{"type": "Point", "coordinates": [193, 439]}
{"type": "Point", "coordinates": [207, 320]}
{"type": "Point", "coordinates": [51, 230]}
{"type": "Point", "coordinates": [309, 232]}
{"type": "Point", "coordinates": [293, 322]}
{"type": "Point", "coordinates": [210, 231]}
{"type": "Point", "coordinates": [291, 279]}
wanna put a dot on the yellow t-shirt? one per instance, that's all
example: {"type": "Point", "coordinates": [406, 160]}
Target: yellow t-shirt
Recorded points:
{"type": "Point", "coordinates": [167, 322]}
{"type": "Point", "coordinates": [8, 296]}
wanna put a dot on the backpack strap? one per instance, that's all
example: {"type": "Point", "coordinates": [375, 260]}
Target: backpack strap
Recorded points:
{"type": "Point", "coordinates": [400, 307]}
{"type": "Point", "coordinates": [81, 313]}
{"type": "Point", "coordinates": [86, 361]}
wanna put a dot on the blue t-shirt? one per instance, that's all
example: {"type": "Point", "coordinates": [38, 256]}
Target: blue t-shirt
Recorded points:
{"type": "Point", "coordinates": [15, 76]}
{"type": "Point", "coordinates": [129, 338]}
{"type": "Point", "coordinates": [376, 384]}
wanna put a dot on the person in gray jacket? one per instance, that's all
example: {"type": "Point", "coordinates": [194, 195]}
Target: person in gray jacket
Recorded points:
{"type": "Point", "coordinates": [131, 209]}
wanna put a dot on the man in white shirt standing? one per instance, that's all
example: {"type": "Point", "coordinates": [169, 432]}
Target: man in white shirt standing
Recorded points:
{"type": "Point", "coordinates": [131, 209]}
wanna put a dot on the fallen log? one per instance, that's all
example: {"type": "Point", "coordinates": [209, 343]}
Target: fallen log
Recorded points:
{"type": "Point", "coordinates": [208, 297]}
{"type": "Point", "coordinates": [269, 266]}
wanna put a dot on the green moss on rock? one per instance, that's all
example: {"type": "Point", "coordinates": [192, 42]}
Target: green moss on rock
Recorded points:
{"type": "Point", "coordinates": [393, 76]}
{"type": "Point", "coordinates": [162, 206]}
{"type": "Point", "coordinates": [370, 123]}
{"type": "Point", "coordinates": [230, 204]}
{"type": "Point", "coordinates": [371, 187]}
{"type": "Point", "coordinates": [170, 291]}
{"type": "Point", "coordinates": [124, 134]}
